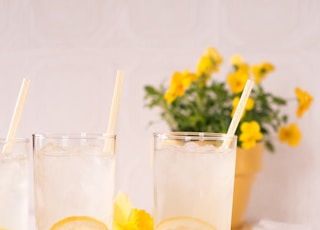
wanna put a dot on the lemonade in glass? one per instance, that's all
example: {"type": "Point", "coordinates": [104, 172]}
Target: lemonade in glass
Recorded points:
{"type": "Point", "coordinates": [14, 184]}
{"type": "Point", "coordinates": [74, 181]}
{"type": "Point", "coordinates": [193, 180]}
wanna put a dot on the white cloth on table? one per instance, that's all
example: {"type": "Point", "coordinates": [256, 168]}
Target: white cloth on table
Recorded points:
{"type": "Point", "coordinates": [274, 225]}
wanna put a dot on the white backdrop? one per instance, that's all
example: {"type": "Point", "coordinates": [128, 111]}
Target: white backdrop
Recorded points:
{"type": "Point", "coordinates": [71, 50]}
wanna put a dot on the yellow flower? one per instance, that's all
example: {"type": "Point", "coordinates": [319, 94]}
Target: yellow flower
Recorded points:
{"type": "Point", "coordinates": [243, 68]}
{"type": "Point", "coordinates": [290, 134]}
{"type": "Point", "coordinates": [250, 134]}
{"type": "Point", "coordinates": [204, 66]}
{"type": "Point", "coordinates": [236, 60]}
{"type": "Point", "coordinates": [126, 217]}
{"type": "Point", "coordinates": [260, 71]}
{"type": "Point", "coordinates": [180, 82]}
{"type": "Point", "coordinates": [122, 212]}
{"type": "Point", "coordinates": [209, 63]}
{"type": "Point", "coordinates": [215, 57]}
{"type": "Point", "coordinates": [304, 100]}
{"type": "Point", "coordinates": [239, 64]}
{"type": "Point", "coordinates": [170, 96]}
{"type": "Point", "coordinates": [192, 77]}
{"type": "Point", "coordinates": [143, 219]}
{"type": "Point", "coordinates": [249, 105]}
{"type": "Point", "coordinates": [237, 81]}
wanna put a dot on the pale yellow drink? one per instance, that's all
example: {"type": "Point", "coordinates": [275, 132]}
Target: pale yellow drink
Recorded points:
{"type": "Point", "coordinates": [14, 185]}
{"type": "Point", "coordinates": [193, 181]}
{"type": "Point", "coordinates": [74, 181]}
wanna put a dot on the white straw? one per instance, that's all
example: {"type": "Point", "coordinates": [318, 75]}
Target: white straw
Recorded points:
{"type": "Point", "coordinates": [16, 116]}
{"type": "Point", "coordinates": [114, 107]}
{"type": "Point", "coordinates": [239, 110]}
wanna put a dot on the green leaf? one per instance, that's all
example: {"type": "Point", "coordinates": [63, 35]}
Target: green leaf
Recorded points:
{"type": "Point", "coordinates": [151, 90]}
{"type": "Point", "coordinates": [285, 118]}
{"type": "Point", "coordinates": [269, 146]}
{"type": "Point", "coordinates": [279, 101]}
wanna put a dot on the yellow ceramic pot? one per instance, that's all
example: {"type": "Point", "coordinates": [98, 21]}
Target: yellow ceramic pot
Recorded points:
{"type": "Point", "coordinates": [248, 164]}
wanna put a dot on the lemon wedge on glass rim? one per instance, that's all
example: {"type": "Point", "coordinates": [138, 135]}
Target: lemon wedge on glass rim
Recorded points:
{"type": "Point", "coordinates": [79, 223]}
{"type": "Point", "coordinates": [184, 223]}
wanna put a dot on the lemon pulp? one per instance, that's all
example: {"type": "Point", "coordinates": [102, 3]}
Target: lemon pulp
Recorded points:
{"type": "Point", "coordinates": [184, 223]}
{"type": "Point", "coordinates": [79, 223]}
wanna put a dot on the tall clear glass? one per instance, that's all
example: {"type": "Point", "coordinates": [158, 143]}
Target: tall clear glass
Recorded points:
{"type": "Point", "coordinates": [14, 184]}
{"type": "Point", "coordinates": [74, 180]}
{"type": "Point", "coordinates": [193, 180]}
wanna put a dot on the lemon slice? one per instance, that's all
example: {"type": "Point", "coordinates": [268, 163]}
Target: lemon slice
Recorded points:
{"type": "Point", "coordinates": [79, 223]}
{"type": "Point", "coordinates": [184, 223]}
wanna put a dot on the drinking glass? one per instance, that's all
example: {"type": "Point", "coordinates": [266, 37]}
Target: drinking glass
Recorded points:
{"type": "Point", "coordinates": [14, 184]}
{"type": "Point", "coordinates": [74, 180]}
{"type": "Point", "coordinates": [193, 180]}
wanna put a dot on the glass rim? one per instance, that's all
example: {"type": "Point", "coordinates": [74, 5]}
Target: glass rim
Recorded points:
{"type": "Point", "coordinates": [194, 136]}
{"type": "Point", "coordinates": [74, 135]}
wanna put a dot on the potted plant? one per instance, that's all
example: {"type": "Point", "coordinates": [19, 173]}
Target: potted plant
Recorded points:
{"type": "Point", "coordinates": [201, 102]}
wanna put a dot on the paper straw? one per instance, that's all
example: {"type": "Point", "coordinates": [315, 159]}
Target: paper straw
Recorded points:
{"type": "Point", "coordinates": [114, 107]}
{"type": "Point", "coordinates": [16, 115]}
{"type": "Point", "coordinates": [239, 110]}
